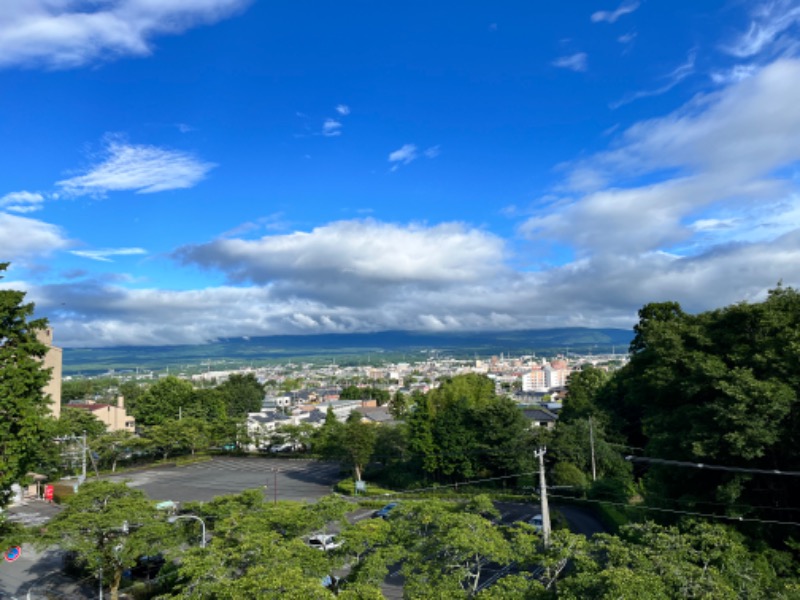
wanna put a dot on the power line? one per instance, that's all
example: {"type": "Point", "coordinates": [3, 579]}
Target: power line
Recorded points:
{"type": "Point", "coordinates": [693, 465]}
{"type": "Point", "coordinates": [455, 485]}
{"type": "Point", "coordinates": [683, 512]}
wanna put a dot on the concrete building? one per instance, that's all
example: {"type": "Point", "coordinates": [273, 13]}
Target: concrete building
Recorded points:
{"type": "Point", "coordinates": [53, 361]}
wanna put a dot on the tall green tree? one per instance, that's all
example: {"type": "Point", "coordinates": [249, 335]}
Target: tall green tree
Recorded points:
{"type": "Point", "coordinates": [23, 405]}
{"type": "Point", "coordinates": [242, 394]}
{"type": "Point", "coordinates": [358, 443]}
{"type": "Point", "coordinates": [718, 388]}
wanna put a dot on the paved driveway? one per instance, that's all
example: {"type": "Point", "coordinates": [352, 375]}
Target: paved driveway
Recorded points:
{"type": "Point", "coordinates": [288, 479]}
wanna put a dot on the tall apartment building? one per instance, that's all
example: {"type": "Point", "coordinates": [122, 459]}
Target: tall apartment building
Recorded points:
{"type": "Point", "coordinates": [547, 377]}
{"type": "Point", "coordinates": [53, 361]}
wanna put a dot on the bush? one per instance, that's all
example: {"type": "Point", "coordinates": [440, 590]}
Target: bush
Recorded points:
{"type": "Point", "coordinates": [612, 489]}
{"type": "Point", "coordinates": [567, 474]}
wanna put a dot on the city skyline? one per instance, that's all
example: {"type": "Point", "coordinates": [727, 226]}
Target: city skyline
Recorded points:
{"type": "Point", "coordinates": [180, 172]}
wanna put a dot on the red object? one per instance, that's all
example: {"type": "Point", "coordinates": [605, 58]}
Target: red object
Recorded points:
{"type": "Point", "coordinates": [13, 553]}
{"type": "Point", "coordinates": [48, 492]}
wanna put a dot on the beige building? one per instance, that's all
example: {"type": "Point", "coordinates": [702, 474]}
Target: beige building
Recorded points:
{"type": "Point", "coordinates": [112, 416]}
{"type": "Point", "coordinates": [52, 360]}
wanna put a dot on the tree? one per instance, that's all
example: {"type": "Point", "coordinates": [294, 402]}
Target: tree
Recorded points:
{"type": "Point", "coordinates": [243, 394]}
{"type": "Point", "coordinates": [113, 447]}
{"type": "Point", "coordinates": [23, 404]}
{"type": "Point", "coordinates": [699, 560]}
{"type": "Point", "coordinates": [74, 421]}
{"type": "Point", "coordinates": [108, 526]}
{"type": "Point", "coordinates": [299, 436]}
{"type": "Point", "coordinates": [327, 440]}
{"type": "Point", "coordinates": [358, 443]}
{"type": "Point", "coordinates": [163, 401]}
{"type": "Point", "coordinates": [503, 437]}
{"type": "Point", "coordinates": [76, 389]}
{"type": "Point", "coordinates": [178, 435]}
{"type": "Point", "coordinates": [582, 388]}
{"type": "Point", "coordinates": [131, 391]}
{"type": "Point", "coordinates": [256, 550]}
{"type": "Point", "coordinates": [719, 388]}
{"type": "Point", "coordinates": [446, 550]}
{"type": "Point", "coordinates": [398, 406]}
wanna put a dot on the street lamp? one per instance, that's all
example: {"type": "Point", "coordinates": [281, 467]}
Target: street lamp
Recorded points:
{"type": "Point", "coordinates": [196, 518]}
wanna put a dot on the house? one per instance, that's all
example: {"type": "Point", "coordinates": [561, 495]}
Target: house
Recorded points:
{"type": "Point", "coordinates": [540, 417]}
{"type": "Point", "coordinates": [113, 416]}
{"type": "Point", "coordinates": [376, 414]}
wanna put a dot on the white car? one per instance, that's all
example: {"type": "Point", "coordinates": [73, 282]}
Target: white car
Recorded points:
{"type": "Point", "coordinates": [324, 542]}
{"type": "Point", "coordinates": [287, 447]}
{"type": "Point", "coordinates": [536, 521]}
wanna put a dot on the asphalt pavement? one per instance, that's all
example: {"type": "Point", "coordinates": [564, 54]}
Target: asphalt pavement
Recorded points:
{"type": "Point", "coordinates": [281, 479]}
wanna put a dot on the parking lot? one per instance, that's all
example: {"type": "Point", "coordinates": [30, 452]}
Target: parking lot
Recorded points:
{"type": "Point", "coordinates": [284, 479]}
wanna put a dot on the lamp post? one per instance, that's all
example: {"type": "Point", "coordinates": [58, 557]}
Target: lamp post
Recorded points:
{"type": "Point", "coordinates": [196, 518]}
{"type": "Point", "coordinates": [275, 485]}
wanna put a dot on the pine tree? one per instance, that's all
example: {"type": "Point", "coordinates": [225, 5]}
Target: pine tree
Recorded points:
{"type": "Point", "coordinates": [23, 404]}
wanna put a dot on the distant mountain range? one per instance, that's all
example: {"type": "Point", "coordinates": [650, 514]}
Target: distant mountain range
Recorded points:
{"type": "Point", "coordinates": [350, 348]}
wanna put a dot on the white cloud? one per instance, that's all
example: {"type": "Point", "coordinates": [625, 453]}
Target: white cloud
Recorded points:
{"type": "Point", "coordinates": [672, 78]}
{"type": "Point", "coordinates": [771, 28]}
{"type": "Point", "coordinates": [105, 254]}
{"type": "Point", "coordinates": [343, 109]}
{"type": "Point", "coordinates": [22, 202]}
{"type": "Point", "coordinates": [433, 151]}
{"type": "Point", "coordinates": [408, 153]}
{"type": "Point", "coordinates": [404, 155]}
{"type": "Point", "coordinates": [627, 38]}
{"type": "Point", "coordinates": [355, 254]}
{"type": "Point", "coordinates": [713, 160]}
{"type": "Point", "coordinates": [574, 62]}
{"type": "Point", "coordinates": [331, 128]}
{"type": "Point", "coordinates": [734, 74]}
{"type": "Point", "coordinates": [24, 238]}
{"type": "Point", "coordinates": [140, 168]}
{"type": "Point", "coordinates": [612, 15]}
{"type": "Point", "coordinates": [64, 34]}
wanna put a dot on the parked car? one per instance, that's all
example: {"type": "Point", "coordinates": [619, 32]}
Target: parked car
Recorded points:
{"type": "Point", "coordinates": [384, 512]}
{"type": "Point", "coordinates": [536, 521]}
{"type": "Point", "coordinates": [287, 447]}
{"type": "Point", "coordinates": [324, 542]}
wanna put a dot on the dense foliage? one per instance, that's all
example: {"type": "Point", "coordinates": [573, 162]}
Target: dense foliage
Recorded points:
{"type": "Point", "coordinates": [23, 405]}
{"type": "Point", "coordinates": [718, 388]}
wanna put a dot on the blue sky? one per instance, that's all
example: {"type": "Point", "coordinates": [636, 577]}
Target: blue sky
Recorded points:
{"type": "Point", "coordinates": [177, 171]}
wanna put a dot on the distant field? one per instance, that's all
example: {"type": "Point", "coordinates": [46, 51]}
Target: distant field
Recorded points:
{"type": "Point", "coordinates": [344, 349]}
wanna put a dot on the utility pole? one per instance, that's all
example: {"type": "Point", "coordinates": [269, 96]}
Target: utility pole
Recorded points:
{"type": "Point", "coordinates": [591, 443]}
{"type": "Point", "coordinates": [543, 498]}
{"type": "Point", "coordinates": [83, 458]}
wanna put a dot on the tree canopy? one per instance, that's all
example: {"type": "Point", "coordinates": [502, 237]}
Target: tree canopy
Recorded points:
{"type": "Point", "coordinates": [718, 388]}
